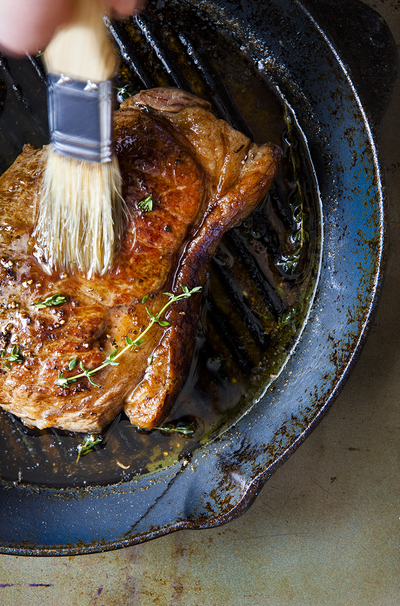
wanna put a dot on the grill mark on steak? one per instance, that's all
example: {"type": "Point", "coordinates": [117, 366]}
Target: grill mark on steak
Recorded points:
{"type": "Point", "coordinates": [204, 178]}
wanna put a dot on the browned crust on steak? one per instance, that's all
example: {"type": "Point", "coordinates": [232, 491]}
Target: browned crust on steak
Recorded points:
{"type": "Point", "coordinates": [205, 178]}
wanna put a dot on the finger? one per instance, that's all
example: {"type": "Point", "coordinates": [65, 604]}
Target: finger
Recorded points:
{"type": "Point", "coordinates": [124, 8]}
{"type": "Point", "coordinates": [27, 26]}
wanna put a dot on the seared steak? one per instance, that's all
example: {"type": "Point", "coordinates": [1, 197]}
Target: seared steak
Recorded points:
{"type": "Point", "coordinates": [204, 178]}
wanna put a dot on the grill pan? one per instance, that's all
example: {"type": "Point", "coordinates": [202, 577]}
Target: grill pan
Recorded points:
{"type": "Point", "coordinates": [291, 292]}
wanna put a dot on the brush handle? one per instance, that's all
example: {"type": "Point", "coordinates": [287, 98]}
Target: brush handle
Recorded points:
{"type": "Point", "coordinates": [82, 49]}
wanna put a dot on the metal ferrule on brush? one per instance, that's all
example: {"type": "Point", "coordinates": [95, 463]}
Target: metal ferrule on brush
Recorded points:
{"type": "Point", "coordinates": [80, 118]}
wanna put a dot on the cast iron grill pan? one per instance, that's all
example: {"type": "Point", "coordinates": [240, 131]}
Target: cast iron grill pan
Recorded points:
{"type": "Point", "coordinates": [273, 285]}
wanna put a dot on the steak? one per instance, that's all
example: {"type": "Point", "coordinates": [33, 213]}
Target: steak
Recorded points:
{"type": "Point", "coordinates": [203, 178]}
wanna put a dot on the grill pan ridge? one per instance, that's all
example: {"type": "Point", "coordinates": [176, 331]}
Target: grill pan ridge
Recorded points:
{"type": "Point", "coordinates": [217, 480]}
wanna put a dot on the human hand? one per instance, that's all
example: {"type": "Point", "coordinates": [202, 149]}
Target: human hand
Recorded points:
{"type": "Point", "coordinates": [26, 26]}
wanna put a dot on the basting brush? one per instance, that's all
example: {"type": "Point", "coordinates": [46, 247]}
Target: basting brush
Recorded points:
{"type": "Point", "coordinates": [80, 214]}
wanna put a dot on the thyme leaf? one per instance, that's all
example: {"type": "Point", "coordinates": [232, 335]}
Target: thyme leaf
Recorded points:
{"type": "Point", "coordinates": [156, 318]}
{"type": "Point", "coordinates": [148, 109]}
{"type": "Point", "coordinates": [72, 364]}
{"type": "Point", "coordinates": [146, 205]}
{"type": "Point", "coordinates": [110, 359]}
{"type": "Point", "coordinates": [131, 344]}
{"type": "Point", "coordinates": [88, 372]}
{"type": "Point", "coordinates": [124, 92]}
{"type": "Point", "coordinates": [187, 430]}
{"type": "Point", "coordinates": [152, 316]}
{"type": "Point", "coordinates": [51, 301]}
{"type": "Point", "coordinates": [287, 317]}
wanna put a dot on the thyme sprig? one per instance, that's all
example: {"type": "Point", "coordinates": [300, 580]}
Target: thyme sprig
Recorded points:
{"type": "Point", "coordinates": [88, 444]}
{"type": "Point", "coordinates": [131, 344]}
{"type": "Point", "coordinates": [51, 301]}
{"type": "Point", "coordinates": [185, 429]}
{"type": "Point", "coordinates": [126, 91]}
{"type": "Point", "coordinates": [13, 357]}
{"type": "Point", "coordinates": [146, 205]}
{"type": "Point", "coordinates": [291, 261]}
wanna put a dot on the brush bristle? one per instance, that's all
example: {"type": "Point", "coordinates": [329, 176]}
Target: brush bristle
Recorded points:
{"type": "Point", "coordinates": [80, 214]}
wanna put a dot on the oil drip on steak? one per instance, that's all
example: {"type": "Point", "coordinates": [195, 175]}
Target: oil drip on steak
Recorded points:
{"type": "Point", "coordinates": [204, 178]}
